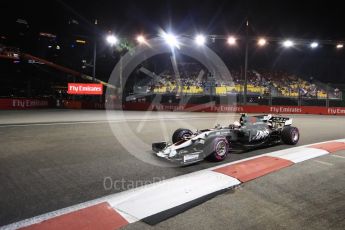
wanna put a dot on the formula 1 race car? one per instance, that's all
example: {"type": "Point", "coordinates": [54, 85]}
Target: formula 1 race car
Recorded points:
{"type": "Point", "coordinates": [188, 147]}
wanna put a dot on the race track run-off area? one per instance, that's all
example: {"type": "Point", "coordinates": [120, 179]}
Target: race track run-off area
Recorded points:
{"type": "Point", "coordinates": [68, 169]}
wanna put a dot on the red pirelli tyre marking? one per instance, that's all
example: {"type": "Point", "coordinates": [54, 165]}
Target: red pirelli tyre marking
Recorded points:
{"type": "Point", "coordinates": [251, 169]}
{"type": "Point", "coordinates": [100, 216]}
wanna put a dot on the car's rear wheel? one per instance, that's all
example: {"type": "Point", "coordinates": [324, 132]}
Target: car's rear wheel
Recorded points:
{"type": "Point", "coordinates": [181, 134]}
{"type": "Point", "coordinates": [290, 135]}
{"type": "Point", "coordinates": [217, 148]}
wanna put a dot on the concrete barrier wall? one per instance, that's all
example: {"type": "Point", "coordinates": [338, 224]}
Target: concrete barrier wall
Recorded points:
{"type": "Point", "coordinates": [22, 103]}
{"type": "Point", "coordinates": [25, 103]}
{"type": "Point", "coordinates": [237, 108]}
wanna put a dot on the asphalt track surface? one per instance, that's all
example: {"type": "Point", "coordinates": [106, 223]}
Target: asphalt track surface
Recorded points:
{"type": "Point", "coordinates": [51, 159]}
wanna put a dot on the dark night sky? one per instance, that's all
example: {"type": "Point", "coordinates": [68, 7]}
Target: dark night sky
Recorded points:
{"type": "Point", "coordinates": [309, 19]}
{"type": "Point", "coordinates": [320, 20]}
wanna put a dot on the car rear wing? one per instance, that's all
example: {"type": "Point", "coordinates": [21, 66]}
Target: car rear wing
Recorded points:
{"type": "Point", "coordinates": [281, 120]}
{"type": "Point", "coordinates": [276, 120]}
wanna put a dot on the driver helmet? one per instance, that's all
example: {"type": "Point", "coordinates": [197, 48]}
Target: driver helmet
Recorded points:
{"type": "Point", "coordinates": [237, 124]}
{"type": "Point", "coordinates": [242, 118]}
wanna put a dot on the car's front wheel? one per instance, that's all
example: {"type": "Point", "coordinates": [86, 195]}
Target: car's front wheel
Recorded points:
{"type": "Point", "coordinates": [290, 135]}
{"type": "Point", "coordinates": [217, 148]}
{"type": "Point", "coordinates": [181, 134]}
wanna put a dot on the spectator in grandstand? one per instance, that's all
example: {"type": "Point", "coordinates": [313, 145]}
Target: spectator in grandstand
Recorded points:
{"type": "Point", "coordinates": [336, 92]}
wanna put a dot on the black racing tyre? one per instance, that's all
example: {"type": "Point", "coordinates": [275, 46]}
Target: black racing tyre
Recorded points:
{"type": "Point", "coordinates": [180, 134]}
{"type": "Point", "coordinates": [217, 148]}
{"type": "Point", "coordinates": [290, 135]}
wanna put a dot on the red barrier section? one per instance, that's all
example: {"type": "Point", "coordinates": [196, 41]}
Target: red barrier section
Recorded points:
{"type": "Point", "coordinates": [20, 103]}
{"type": "Point", "coordinates": [10, 103]}
{"type": "Point", "coordinates": [237, 108]}
{"type": "Point", "coordinates": [92, 105]}
{"type": "Point", "coordinates": [70, 104]}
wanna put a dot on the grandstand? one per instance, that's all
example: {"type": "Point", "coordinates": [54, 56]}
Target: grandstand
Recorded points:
{"type": "Point", "coordinates": [260, 83]}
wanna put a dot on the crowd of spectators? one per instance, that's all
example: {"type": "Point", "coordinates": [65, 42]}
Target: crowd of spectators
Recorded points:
{"type": "Point", "coordinates": [261, 82]}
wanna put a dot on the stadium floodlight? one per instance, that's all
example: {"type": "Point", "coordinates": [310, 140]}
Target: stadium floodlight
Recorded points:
{"type": "Point", "coordinates": [288, 43]}
{"type": "Point", "coordinates": [170, 39]}
{"type": "Point", "coordinates": [200, 40]}
{"type": "Point", "coordinates": [339, 46]}
{"type": "Point", "coordinates": [262, 42]}
{"type": "Point", "coordinates": [80, 41]}
{"type": "Point", "coordinates": [141, 39]}
{"type": "Point", "coordinates": [314, 45]}
{"type": "Point", "coordinates": [112, 40]}
{"type": "Point", "coordinates": [231, 40]}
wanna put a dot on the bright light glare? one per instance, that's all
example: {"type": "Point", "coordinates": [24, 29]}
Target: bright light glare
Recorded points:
{"type": "Point", "coordinates": [262, 42]}
{"type": "Point", "coordinates": [314, 45]}
{"type": "Point", "coordinates": [231, 40]}
{"type": "Point", "coordinates": [200, 40]}
{"type": "Point", "coordinates": [288, 43]}
{"type": "Point", "coordinates": [112, 40]}
{"type": "Point", "coordinates": [339, 46]}
{"type": "Point", "coordinates": [141, 39]}
{"type": "Point", "coordinates": [170, 39]}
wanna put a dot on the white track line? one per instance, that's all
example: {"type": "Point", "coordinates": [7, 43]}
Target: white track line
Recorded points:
{"type": "Point", "coordinates": [104, 121]}
{"type": "Point", "coordinates": [337, 156]}
{"type": "Point", "coordinates": [323, 162]}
